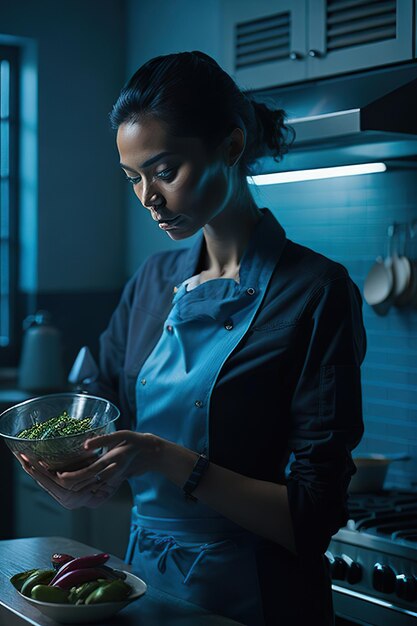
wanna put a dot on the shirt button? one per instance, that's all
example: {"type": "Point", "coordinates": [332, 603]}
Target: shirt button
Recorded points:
{"type": "Point", "coordinates": [198, 404]}
{"type": "Point", "coordinates": [228, 325]}
{"type": "Point", "coordinates": [250, 291]}
{"type": "Point", "coordinates": [143, 381]}
{"type": "Point", "coordinates": [169, 329]}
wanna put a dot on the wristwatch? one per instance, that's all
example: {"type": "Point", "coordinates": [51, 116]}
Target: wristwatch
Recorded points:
{"type": "Point", "coordinates": [194, 478]}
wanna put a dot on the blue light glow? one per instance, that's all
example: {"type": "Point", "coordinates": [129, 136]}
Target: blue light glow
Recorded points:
{"type": "Point", "coordinates": [4, 204]}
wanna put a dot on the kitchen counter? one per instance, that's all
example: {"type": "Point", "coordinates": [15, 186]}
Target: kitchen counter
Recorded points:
{"type": "Point", "coordinates": [9, 390]}
{"type": "Point", "coordinates": [155, 608]}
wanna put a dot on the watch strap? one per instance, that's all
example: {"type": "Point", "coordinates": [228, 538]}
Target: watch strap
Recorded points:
{"type": "Point", "coordinates": [194, 478]}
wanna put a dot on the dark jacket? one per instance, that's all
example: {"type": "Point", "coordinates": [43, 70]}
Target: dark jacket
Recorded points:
{"type": "Point", "coordinates": [291, 385]}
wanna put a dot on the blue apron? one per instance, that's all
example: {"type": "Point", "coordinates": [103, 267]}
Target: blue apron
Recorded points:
{"type": "Point", "coordinates": [177, 545]}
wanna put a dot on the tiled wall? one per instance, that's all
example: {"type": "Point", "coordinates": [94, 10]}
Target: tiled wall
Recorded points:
{"type": "Point", "coordinates": [347, 220]}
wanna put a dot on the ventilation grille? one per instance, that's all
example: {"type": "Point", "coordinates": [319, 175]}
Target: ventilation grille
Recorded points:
{"type": "Point", "coordinates": [262, 40]}
{"type": "Point", "coordinates": [357, 22]}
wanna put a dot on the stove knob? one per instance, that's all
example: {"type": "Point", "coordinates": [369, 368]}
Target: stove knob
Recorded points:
{"type": "Point", "coordinates": [406, 587]}
{"type": "Point", "coordinates": [338, 567]}
{"type": "Point", "coordinates": [383, 578]}
{"type": "Point", "coordinates": [354, 570]}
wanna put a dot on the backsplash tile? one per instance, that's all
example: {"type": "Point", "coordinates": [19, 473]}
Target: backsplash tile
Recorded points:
{"type": "Point", "coordinates": [347, 219]}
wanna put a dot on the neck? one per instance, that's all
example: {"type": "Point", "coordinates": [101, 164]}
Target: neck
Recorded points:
{"type": "Point", "coordinates": [227, 237]}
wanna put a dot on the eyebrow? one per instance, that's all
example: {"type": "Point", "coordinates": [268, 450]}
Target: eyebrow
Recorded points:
{"type": "Point", "coordinates": [148, 162]}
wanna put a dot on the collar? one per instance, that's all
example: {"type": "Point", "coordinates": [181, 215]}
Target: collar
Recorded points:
{"type": "Point", "coordinates": [264, 250]}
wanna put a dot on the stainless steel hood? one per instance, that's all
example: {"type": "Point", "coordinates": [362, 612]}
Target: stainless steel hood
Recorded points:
{"type": "Point", "coordinates": [350, 119]}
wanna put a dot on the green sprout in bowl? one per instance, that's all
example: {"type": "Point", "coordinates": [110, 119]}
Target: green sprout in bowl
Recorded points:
{"type": "Point", "coordinates": [60, 426]}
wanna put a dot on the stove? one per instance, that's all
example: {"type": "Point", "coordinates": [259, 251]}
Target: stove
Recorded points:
{"type": "Point", "coordinates": [373, 560]}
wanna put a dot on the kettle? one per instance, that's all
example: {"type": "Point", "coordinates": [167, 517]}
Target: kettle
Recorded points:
{"type": "Point", "coordinates": [41, 367]}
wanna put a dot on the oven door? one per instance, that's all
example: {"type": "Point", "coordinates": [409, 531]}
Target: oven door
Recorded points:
{"type": "Point", "coordinates": [363, 609]}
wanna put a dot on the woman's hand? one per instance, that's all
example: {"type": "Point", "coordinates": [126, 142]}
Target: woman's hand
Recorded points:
{"type": "Point", "coordinates": [129, 454]}
{"type": "Point", "coordinates": [90, 496]}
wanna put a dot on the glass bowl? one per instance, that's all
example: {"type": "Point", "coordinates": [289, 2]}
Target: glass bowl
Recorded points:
{"type": "Point", "coordinates": [64, 452]}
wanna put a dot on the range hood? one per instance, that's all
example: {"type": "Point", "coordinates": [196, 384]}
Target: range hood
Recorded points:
{"type": "Point", "coordinates": [350, 119]}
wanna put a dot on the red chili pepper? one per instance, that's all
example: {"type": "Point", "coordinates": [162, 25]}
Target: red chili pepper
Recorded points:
{"type": "Point", "coordinates": [81, 562]}
{"type": "Point", "coordinates": [58, 560]}
{"type": "Point", "coordinates": [78, 576]}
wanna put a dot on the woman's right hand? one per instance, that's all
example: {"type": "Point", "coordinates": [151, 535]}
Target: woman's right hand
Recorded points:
{"type": "Point", "coordinates": [90, 496]}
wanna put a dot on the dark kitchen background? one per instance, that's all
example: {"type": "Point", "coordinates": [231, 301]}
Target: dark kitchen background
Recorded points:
{"type": "Point", "coordinates": [80, 232]}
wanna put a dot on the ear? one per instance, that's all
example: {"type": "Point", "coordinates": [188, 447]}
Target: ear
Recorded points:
{"type": "Point", "coordinates": [236, 145]}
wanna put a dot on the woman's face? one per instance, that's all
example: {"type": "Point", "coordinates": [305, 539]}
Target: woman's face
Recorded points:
{"type": "Point", "coordinates": [175, 178]}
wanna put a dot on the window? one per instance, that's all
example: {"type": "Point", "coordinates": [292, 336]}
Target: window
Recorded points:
{"type": "Point", "coordinates": [8, 198]}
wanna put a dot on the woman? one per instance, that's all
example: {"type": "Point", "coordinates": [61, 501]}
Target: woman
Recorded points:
{"type": "Point", "coordinates": [224, 358]}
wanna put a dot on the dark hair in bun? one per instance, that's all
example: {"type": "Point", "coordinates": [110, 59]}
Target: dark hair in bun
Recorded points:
{"type": "Point", "coordinates": [195, 97]}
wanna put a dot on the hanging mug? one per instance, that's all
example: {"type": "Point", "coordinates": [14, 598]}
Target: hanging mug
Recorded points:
{"type": "Point", "coordinates": [379, 287]}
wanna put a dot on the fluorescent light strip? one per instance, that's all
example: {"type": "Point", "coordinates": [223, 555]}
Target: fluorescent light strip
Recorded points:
{"type": "Point", "coordinates": [314, 174]}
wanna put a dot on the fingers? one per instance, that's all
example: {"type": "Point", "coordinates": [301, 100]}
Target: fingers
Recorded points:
{"type": "Point", "coordinates": [65, 497]}
{"type": "Point", "coordinates": [91, 496]}
{"type": "Point", "coordinates": [24, 461]}
{"type": "Point", "coordinates": [27, 464]}
{"type": "Point", "coordinates": [105, 475]}
{"type": "Point", "coordinates": [19, 456]}
{"type": "Point", "coordinates": [106, 466]}
{"type": "Point", "coordinates": [110, 466]}
{"type": "Point", "coordinates": [78, 476]}
{"type": "Point", "coordinates": [86, 474]}
{"type": "Point", "coordinates": [112, 439]}
{"type": "Point", "coordinates": [94, 481]}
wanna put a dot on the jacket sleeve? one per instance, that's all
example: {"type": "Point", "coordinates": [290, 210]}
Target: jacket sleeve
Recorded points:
{"type": "Point", "coordinates": [112, 352]}
{"type": "Point", "coordinates": [326, 412]}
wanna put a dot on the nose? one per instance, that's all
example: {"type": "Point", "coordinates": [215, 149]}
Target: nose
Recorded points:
{"type": "Point", "coordinates": [150, 199]}
{"type": "Point", "coordinates": [153, 202]}
{"type": "Point", "coordinates": [153, 205]}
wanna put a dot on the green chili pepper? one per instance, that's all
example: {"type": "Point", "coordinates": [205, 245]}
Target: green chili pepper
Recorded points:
{"type": "Point", "coordinates": [44, 593]}
{"type": "Point", "coordinates": [18, 579]}
{"type": "Point", "coordinates": [40, 576]}
{"type": "Point", "coordinates": [79, 594]}
{"type": "Point", "coordinates": [116, 591]}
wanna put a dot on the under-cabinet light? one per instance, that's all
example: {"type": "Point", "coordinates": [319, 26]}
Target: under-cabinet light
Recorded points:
{"type": "Point", "coordinates": [323, 172]}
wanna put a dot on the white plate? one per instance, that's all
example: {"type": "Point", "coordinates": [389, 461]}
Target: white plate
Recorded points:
{"type": "Point", "coordinates": [85, 613]}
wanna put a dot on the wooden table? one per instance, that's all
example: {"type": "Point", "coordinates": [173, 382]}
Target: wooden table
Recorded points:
{"type": "Point", "coordinates": [154, 609]}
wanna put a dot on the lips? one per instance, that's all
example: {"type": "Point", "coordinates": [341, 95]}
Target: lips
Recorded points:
{"type": "Point", "coordinates": [168, 221]}
{"type": "Point", "coordinates": [171, 224]}
{"type": "Point", "coordinates": [156, 216]}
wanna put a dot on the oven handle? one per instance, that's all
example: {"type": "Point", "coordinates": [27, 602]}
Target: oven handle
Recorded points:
{"type": "Point", "coordinates": [378, 601]}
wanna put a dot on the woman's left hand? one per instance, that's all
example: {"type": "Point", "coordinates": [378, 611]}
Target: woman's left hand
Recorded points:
{"type": "Point", "coordinates": [129, 453]}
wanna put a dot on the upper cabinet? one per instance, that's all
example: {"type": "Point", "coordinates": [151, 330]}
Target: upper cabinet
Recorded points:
{"type": "Point", "coordinates": [348, 35]}
{"type": "Point", "coordinates": [274, 42]}
{"type": "Point", "coordinates": [264, 41]}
